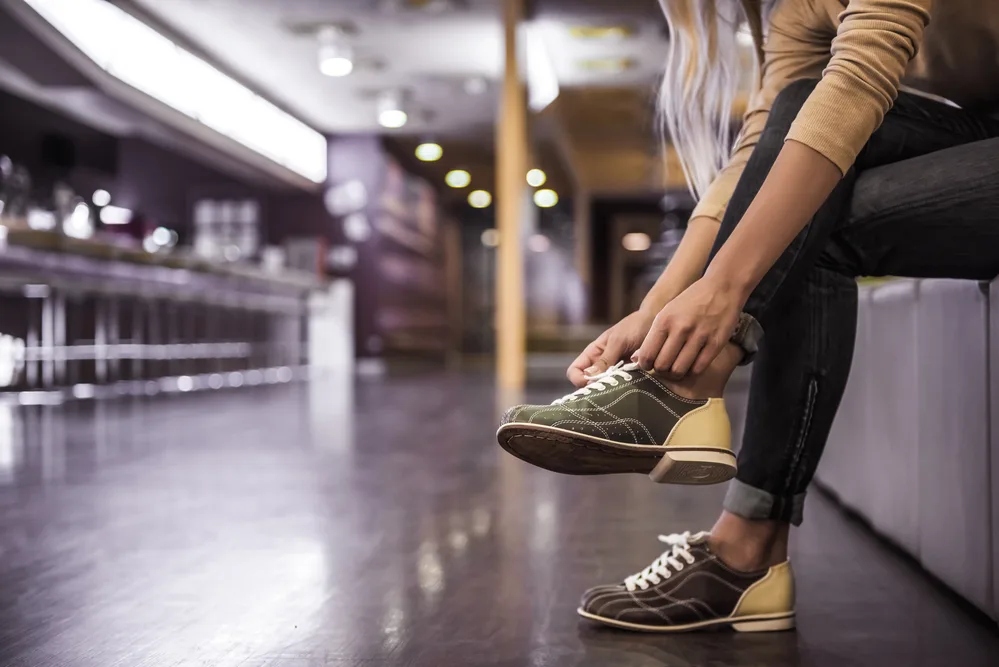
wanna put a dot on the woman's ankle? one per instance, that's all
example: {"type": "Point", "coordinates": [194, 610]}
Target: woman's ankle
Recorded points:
{"type": "Point", "coordinates": [749, 545]}
{"type": "Point", "coordinates": [711, 383]}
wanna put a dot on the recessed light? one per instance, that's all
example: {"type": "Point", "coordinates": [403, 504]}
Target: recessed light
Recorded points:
{"type": "Point", "coordinates": [429, 151]}
{"type": "Point", "coordinates": [546, 198]}
{"type": "Point", "coordinates": [536, 178]}
{"type": "Point", "coordinates": [458, 178]}
{"type": "Point", "coordinates": [479, 199]}
{"type": "Point", "coordinates": [101, 198]}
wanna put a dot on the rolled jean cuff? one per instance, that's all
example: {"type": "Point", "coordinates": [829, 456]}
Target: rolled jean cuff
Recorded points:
{"type": "Point", "coordinates": [748, 334]}
{"type": "Point", "coordinates": [750, 502]}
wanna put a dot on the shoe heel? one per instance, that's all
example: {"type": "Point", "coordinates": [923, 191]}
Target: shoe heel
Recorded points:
{"type": "Point", "coordinates": [694, 467]}
{"type": "Point", "coordinates": [765, 625]}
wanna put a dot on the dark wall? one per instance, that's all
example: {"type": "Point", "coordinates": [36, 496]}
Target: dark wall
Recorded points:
{"type": "Point", "coordinates": [158, 183]}
{"type": "Point", "coordinates": [25, 128]}
{"type": "Point", "coordinates": [163, 185]}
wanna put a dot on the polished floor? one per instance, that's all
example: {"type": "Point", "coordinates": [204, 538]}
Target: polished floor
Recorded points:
{"type": "Point", "coordinates": [320, 524]}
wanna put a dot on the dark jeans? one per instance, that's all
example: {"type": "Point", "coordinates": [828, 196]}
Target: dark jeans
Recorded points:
{"type": "Point", "coordinates": [921, 201]}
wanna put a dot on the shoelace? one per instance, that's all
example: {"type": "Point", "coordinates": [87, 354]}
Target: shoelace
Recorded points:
{"type": "Point", "coordinates": [663, 567]}
{"type": "Point", "coordinates": [605, 380]}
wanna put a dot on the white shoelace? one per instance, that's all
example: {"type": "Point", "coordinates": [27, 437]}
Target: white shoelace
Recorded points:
{"type": "Point", "coordinates": [664, 566]}
{"type": "Point", "coordinates": [605, 380]}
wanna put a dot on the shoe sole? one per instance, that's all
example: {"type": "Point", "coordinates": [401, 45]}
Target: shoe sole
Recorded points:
{"type": "Point", "coordinates": [758, 623]}
{"type": "Point", "coordinates": [572, 453]}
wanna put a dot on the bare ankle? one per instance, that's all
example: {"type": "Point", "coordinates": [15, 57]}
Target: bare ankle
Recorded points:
{"type": "Point", "coordinates": [711, 383]}
{"type": "Point", "coordinates": [749, 545]}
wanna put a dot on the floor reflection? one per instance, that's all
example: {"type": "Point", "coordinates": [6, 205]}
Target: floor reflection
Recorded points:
{"type": "Point", "coordinates": [377, 524]}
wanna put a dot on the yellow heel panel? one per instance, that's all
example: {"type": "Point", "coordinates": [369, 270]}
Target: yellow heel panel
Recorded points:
{"type": "Point", "coordinates": [772, 594]}
{"type": "Point", "coordinates": [707, 426]}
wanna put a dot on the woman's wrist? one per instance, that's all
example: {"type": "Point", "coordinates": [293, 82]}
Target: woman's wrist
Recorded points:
{"type": "Point", "coordinates": [730, 279]}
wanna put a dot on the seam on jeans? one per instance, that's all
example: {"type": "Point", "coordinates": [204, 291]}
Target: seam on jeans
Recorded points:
{"type": "Point", "coordinates": [796, 246]}
{"type": "Point", "coordinates": [799, 446]}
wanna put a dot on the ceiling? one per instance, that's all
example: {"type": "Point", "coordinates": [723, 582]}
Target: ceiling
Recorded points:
{"type": "Point", "coordinates": [598, 135]}
{"type": "Point", "coordinates": [426, 48]}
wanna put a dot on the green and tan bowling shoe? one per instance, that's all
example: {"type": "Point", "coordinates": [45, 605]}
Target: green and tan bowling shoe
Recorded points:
{"type": "Point", "coordinates": [625, 420]}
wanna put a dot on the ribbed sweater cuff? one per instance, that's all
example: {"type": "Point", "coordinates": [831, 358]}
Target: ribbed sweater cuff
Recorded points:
{"type": "Point", "coordinates": [838, 118]}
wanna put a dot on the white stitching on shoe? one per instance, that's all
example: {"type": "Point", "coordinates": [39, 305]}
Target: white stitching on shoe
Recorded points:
{"type": "Point", "coordinates": [583, 423]}
{"type": "Point", "coordinates": [622, 420]}
{"type": "Point", "coordinates": [682, 399]}
{"type": "Point", "coordinates": [634, 438]}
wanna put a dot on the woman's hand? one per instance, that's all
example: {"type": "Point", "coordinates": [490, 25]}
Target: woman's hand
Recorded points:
{"type": "Point", "coordinates": [610, 347]}
{"type": "Point", "coordinates": [690, 331]}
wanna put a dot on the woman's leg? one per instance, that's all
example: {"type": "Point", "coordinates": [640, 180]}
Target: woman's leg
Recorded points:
{"type": "Point", "coordinates": [807, 303]}
{"type": "Point", "coordinates": [913, 218]}
{"type": "Point", "coordinates": [915, 126]}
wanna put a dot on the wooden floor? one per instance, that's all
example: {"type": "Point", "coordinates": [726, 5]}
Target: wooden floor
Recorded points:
{"type": "Point", "coordinates": [309, 525]}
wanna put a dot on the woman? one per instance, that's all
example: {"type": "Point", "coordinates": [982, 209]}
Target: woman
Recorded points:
{"type": "Point", "coordinates": [837, 173]}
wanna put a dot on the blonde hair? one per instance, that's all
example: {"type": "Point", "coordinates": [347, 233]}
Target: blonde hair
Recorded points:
{"type": "Point", "coordinates": [702, 78]}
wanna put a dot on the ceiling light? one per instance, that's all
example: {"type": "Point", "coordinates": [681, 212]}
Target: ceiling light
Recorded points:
{"type": "Point", "coordinates": [335, 60]}
{"type": "Point", "coordinates": [392, 118]}
{"type": "Point", "coordinates": [335, 57]}
{"type": "Point", "coordinates": [636, 241]}
{"type": "Point", "coordinates": [136, 54]}
{"type": "Point", "coordinates": [545, 198]}
{"type": "Point", "coordinates": [458, 178]}
{"type": "Point", "coordinates": [536, 178]}
{"type": "Point", "coordinates": [101, 198]}
{"type": "Point", "coordinates": [429, 151]}
{"type": "Point", "coordinates": [115, 215]}
{"type": "Point", "coordinates": [390, 111]}
{"type": "Point", "coordinates": [490, 238]}
{"type": "Point", "coordinates": [601, 31]}
{"type": "Point", "coordinates": [476, 85]}
{"type": "Point", "coordinates": [479, 199]}
{"type": "Point", "coordinates": [542, 82]}
{"type": "Point", "coordinates": [539, 243]}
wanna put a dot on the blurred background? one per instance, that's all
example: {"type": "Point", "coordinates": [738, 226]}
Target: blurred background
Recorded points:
{"type": "Point", "coordinates": [189, 186]}
{"type": "Point", "coordinates": [270, 270]}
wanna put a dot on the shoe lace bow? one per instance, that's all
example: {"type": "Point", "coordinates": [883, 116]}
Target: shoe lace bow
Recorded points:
{"type": "Point", "coordinates": [609, 378]}
{"type": "Point", "coordinates": [672, 560]}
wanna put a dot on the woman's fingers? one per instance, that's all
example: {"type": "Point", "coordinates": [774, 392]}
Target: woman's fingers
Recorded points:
{"type": "Point", "coordinates": [687, 356]}
{"type": "Point", "coordinates": [676, 339]}
{"type": "Point", "coordinates": [577, 369]}
{"type": "Point", "coordinates": [653, 343]}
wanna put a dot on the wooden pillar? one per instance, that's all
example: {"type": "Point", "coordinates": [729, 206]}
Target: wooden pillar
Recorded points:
{"type": "Point", "coordinates": [511, 168]}
{"type": "Point", "coordinates": [582, 232]}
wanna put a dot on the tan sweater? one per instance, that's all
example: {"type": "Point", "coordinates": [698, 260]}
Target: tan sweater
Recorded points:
{"type": "Point", "coordinates": [863, 50]}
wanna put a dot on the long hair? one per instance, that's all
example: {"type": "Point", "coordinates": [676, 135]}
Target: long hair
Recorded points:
{"type": "Point", "coordinates": [702, 78]}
